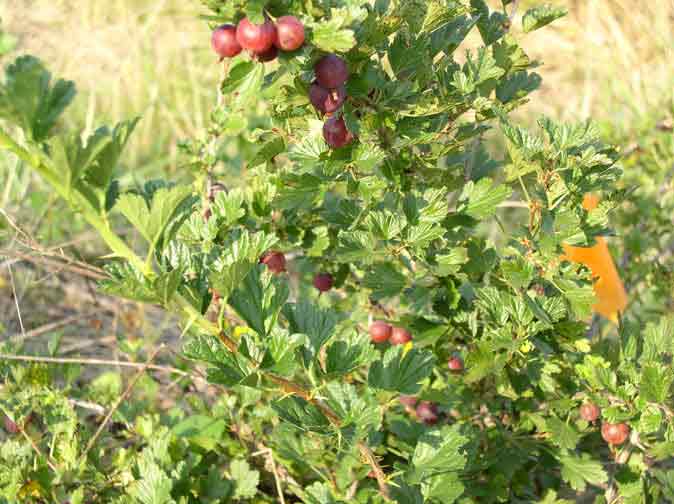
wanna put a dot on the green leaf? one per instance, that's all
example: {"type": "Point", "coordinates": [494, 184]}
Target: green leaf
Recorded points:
{"type": "Point", "coordinates": [658, 339]}
{"type": "Point", "coordinates": [226, 368]}
{"type": "Point", "coordinates": [153, 219]}
{"type": "Point", "coordinates": [518, 272]}
{"type": "Point", "coordinates": [279, 356]}
{"type": "Point", "coordinates": [564, 434]}
{"type": "Point", "coordinates": [127, 282]}
{"type": "Point", "coordinates": [306, 318]}
{"type": "Point", "coordinates": [330, 37]}
{"type": "Point", "coordinates": [228, 206]}
{"type": "Point", "coordinates": [438, 452]}
{"type": "Point", "coordinates": [597, 372]}
{"type": "Point", "coordinates": [28, 99]}
{"type": "Point", "coordinates": [268, 151]}
{"type": "Point", "coordinates": [203, 431]}
{"type": "Point", "coordinates": [384, 280]}
{"type": "Point", "coordinates": [243, 83]}
{"type": "Point", "coordinates": [577, 471]}
{"type": "Point", "coordinates": [356, 246]}
{"type": "Point", "coordinates": [538, 17]}
{"type": "Point", "coordinates": [303, 415]}
{"type": "Point", "coordinates": [581, 298]}
{"type": "Point", "coordinates": [401, 371]}
{"type": "Point", "coordinates": [482, 362]}
{"type": "Point", "coordinates": [236, 260]}
{"type": "Point", "coordinates": [656, 381]}
{"type": "Point", "coordinates": [106, 161]}
{"type": "Point", "coordinates": [154, 485]}
{"type": "Point", "coordinates": [259, 298]}
{"type": "Point", "coordinates": [359, 412]}
{"type": "Point", "coordinates": [246, 479]}
{"type": "Point", "coordinates": [450, 263]}
{"type": "Point", "coordinates": [385, 225]}
{"type": "Point", "coordinates": [319, 493]}
{"type": "Point", "coordinates": [421, 236]}
{"type": "Point", "coordinates": [480, 200]}
{"type": "Point", "coordinates": [345, 356]}
{"type": "Point", "coordinates": [517, 86]}
{"type": "Point", "coordinates": [73, 157]}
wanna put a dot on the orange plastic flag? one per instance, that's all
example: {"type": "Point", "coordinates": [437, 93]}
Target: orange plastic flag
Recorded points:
{"type": "Point", "coordinates": [609, 289]}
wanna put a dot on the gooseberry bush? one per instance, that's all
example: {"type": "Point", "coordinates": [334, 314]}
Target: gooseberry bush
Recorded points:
{"type": "Point", "coordinates": [382, 290]}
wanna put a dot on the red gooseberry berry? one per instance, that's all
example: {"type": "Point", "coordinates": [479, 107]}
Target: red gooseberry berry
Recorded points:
{"type": "Point", "coordinates": [323, 282]}
{"type": "Point", "coordinates": [589, 411]}
{"type": "Point", "coordinates": [615, 434]}
{"type": "Point", "coordinates": [455, 364]}
{"type": "Point", "coordinates": [255, 38]}
{"type": "Point", "coordinates": [269, 55]}
{"type": "Point", "coordinates": [428, 412]}
{"type": "Point", "coordinates": [331, 71]}
{"type": "Point", "coordinates": [400, 336]}
{"type": "Point", "coordinates": [224, 43]}
{"type": "Point", "coordinates": [335, 133]}
{"type": "Point", "coordinates": [289, 33]}
{"type": "Point", "coordinates": [380, 331]}
{"type": "Point", "coordinates": [326, 100]}
{"type": "Point", "coordinates": [275, 261]}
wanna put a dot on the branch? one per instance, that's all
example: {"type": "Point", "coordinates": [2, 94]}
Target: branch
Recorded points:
{"type": "Point", "coordinates": [94, 362]}
{"type": "Point", "coordinates": [119, 401]}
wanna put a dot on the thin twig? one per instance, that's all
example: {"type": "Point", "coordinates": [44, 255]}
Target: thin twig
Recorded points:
{"type": "Point", "coordinates": [95, 362]}
{"type": "Point", "coordinates": [367, 454]}
{"type": "Point", "coordinates": [60, 264]}
{"type": "Point", "coordinates": [270, 457]}
{"type": "Point", "coordinates": [87, 405]}
{"type": "Point", "coordinates": [16, 300]}
{"type": "Point", "coordinates": [38, 331]}
{"type": "Point", "coordinates": [119, 401]}
{"type": "Point", "coordinates": [52, 464]}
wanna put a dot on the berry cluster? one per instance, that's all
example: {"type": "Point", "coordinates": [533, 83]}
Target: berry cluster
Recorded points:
{"type": "Point", "coordinates": [276, 262]}
{"type": "Point", "coordinates": [613, 434]}
{"type": "Point", "coordinates": [381, 331]}
{"type": "Point", "coordinates": [261, 41]}
{"type": "Point", "coordinates": [327, 94]}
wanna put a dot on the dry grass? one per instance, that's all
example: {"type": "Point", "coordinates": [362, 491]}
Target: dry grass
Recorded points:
{"type": "Point", "coordinates": [608, 59]}
{"type": "Point", "coordinates": [128, 57]}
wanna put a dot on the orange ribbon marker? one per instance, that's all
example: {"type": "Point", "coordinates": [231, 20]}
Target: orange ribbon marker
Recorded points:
{"type": "Point", "coordinates": [609, 289]}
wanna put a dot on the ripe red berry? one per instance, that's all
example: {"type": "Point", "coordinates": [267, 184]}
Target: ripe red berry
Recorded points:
{"type": "Point", "coordinates": [255, 38]}
{"type": "Point", "coordinates": [269, 55]}
{"type": "Point", "coordinates": [289, 33]}
{"type": "Point", "coordinates": [408, 401]}
{"type": "Point", "coordinates": [400, 336]}
{"type": "Point", "coordinates": [380, 331]}
{"type": "Point", "coordinates": [615, 434]}
{"type": "Point", "coordinates": [589, 411]}
{"type": "Point", "coordinates": [331, 71]}
{"type": "Point", "coordinates": [428, 412]}
{"type": "Point", "coordinates": [455, 364]}
{"type": "Point", "coordinates": [275, 261]}
{"type": "Point", "coordinates": [335, 133]}
{"type": "Point", "coordinates": [10, 426]}
{"type": "Point", "coordinates": [224, 43]}
{"type": "Point", "coordinates": [323, 282]}
{"type": "Point", "coordinates": [326, 100]}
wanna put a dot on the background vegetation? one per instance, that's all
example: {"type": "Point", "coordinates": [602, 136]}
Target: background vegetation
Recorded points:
{"type": "Point", "coordinates": [611, 60]}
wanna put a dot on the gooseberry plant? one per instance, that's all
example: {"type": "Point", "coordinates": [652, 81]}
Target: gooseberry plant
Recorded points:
{"type": "Point", "coordinates": [389, 286]}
